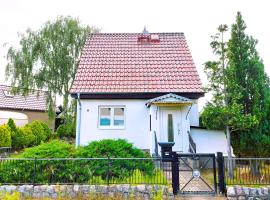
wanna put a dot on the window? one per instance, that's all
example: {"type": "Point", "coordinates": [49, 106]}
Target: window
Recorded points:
{"type": "Point", "coordinates": [112, 117]}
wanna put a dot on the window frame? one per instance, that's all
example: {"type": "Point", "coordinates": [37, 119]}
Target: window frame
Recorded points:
{"type": "Point", "coordinates": [112, 126]}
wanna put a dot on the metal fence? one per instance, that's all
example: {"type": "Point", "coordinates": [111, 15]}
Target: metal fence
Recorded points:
{"type": "Point", "coordinates": [5, 152]}
{"type": "Point", "coordinates": [248, 171]}
{"type": "Point", "coordinates": [85, 171]}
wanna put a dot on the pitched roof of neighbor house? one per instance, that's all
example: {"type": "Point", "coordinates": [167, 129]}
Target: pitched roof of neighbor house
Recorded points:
{"type": "Point", "coordinates": [127, 63]}
{"type": "Point", "coordinates": [35, 101]}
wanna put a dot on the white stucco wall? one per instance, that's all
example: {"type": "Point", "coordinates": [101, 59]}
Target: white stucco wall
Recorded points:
{"type": "Point", "coordinates": [137, 123]}
{"type": "Point", "coordinates": [20, 119]}
{"type": "Point", "coordinates": [136, 128]}
{"type": "Point", "coordinates": [209, 141]}
{"type": "Point", "coordinates": [194, 114]}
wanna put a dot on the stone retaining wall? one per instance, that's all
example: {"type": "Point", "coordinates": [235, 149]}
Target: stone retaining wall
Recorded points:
{"type": "Point", "coordinates": [242, 193]}
{"type": "Point", "coordinates": [55, 191]}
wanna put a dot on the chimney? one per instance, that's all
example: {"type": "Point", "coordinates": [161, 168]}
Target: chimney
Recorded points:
{"type": "Point", "coordinates": [147, 38]}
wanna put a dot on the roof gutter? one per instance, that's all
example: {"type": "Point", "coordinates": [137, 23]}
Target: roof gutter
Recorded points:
{"type": "Point", "coordinates": [78, 128]}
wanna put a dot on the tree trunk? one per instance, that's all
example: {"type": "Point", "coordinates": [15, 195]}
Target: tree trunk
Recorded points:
{"type": "Point", "coordinates": [230, 164]}
{"type": "Point", "coordinates": [65, 104]}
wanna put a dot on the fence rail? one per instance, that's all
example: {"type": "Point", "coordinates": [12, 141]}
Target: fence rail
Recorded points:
{"type": "Point", "coordinates": [248, 171]}
{"type": "Point", "coordinates": [5, 152]}
{"type": "Point", "coordinates": [84, 171]}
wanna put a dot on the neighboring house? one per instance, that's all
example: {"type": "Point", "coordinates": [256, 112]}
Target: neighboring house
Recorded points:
{"type": "Point", "coordinates": [138, 86]}
{"type": "Point", "coordinates": [23, 109]}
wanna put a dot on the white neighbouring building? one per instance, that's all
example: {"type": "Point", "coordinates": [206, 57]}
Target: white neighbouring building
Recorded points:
{"type": "Point", "coordinates": [142, 87]}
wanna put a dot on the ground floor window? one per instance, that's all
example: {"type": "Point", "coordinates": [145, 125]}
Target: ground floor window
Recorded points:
{"type": "Point", "coordinates": [112, 117]}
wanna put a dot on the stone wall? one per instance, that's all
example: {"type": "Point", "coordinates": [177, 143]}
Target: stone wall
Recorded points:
{"type": "Point", "coordinates": [55, 191]}
{"type": "Point", "coordinates": [242, 193]}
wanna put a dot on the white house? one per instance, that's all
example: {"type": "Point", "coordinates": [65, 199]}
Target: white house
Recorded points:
{"type": "Point", "coordinates": [141, 87]}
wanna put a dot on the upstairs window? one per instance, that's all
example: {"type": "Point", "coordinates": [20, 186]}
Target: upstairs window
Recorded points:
{"type": "Point", "coordinates": [111, 117]}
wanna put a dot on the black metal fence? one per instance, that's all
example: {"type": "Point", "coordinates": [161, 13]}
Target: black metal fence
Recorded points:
{"type": "Point", "coordinates": [5, 152]}
{"type": "Point", "coordinates": [248, 171]}
{"type": "Point", "coordinates": [85, 171]}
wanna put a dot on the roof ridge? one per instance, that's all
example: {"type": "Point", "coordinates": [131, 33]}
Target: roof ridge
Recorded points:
{"type": "Point", "coordinates": [34, 90]}
{"type": "Point", "coordinates": [132, 33]}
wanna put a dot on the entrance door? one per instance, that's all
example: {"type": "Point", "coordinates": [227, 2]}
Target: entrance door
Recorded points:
{"type": "Point", "coordinates": [171, 127]}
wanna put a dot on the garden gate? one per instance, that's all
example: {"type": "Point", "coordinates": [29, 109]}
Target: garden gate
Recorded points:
{"type": "Point", "coordinates": [194, 173]}
{"type": "Point", "coordinates": [197, 174]}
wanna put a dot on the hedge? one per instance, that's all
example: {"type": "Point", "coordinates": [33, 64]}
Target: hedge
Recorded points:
{"type": "Point", "coordinates": [66, 130]}
{"type": "Point", "coordinates": [31, 134]}
{"type": "Point", "coordinates": [5, 136]}
{"type": "Point", "coordinates": [79, 171]}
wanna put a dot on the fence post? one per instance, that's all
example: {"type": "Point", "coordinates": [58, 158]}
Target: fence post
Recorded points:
{"type": "Point", "coordinates": [175, 173]}
{"type": "Point", "coordinates": [108, 172]}
{"type": "Point", "coordinates": [35, 171]}
{"type": "Point", "coordinates": [221, 173]}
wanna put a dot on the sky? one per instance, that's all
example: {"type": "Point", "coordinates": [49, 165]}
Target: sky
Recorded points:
{"type": "Point", "coordinates": [198, 19]}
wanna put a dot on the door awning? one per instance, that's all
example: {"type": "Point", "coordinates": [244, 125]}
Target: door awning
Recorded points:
{"type": "Point", "coordinates": [169, 100]}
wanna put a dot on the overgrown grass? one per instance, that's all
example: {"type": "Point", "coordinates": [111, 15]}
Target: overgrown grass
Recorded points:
{"type": "Point", "coordinates": [137, 177]}
{"type": "Point", "coordinates": [244, 176]}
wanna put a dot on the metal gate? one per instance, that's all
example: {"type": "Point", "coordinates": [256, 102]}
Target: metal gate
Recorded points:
{"type": "Point", "coordinates": [197, 174]}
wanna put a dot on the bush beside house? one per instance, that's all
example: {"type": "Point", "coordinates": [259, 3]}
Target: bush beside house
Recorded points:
{"type": "Point", "coordinates": [29, 135]}
{"type": "Point", "coordinates": [66, 130]}
{"type": "Point", "coordinates": [5, 136]}
{"type": "Point", "coordinates": [77, 170]}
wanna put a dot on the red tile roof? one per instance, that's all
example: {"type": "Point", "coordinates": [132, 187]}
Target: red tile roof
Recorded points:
{"type": "Point", "coordinates": [35, 101]}
{"type": "Point", "coordinates": [119, 63]}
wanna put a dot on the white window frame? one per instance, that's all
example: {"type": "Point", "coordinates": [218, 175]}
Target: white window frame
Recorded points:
{"type": "Point", "coordinates": [111, 118]}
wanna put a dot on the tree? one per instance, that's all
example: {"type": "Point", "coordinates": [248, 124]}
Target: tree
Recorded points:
{"type": "Point", "coordinates": [48, 59]}
{"type": "Point", "coordinates": [220, 114]}
{"type": "Point", "coordinates": [248, 78]}
{"type": "Point", "coordinates": [241, 98]}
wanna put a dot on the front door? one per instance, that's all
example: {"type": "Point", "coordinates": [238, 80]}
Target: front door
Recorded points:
{"type": "Point", "coordinates": [171, 127]}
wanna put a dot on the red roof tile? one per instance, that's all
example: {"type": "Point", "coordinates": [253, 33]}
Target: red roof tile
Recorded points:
{"type": "Point", "coordinates": [118, 63]}
{"type": "Point", "coordinates": [34, 101]}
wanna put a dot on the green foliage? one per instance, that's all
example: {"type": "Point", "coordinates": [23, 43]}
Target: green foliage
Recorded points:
{"type": "Point", "coordinates": [5, 136]}
{"type": "Point", "coordinates": [53, 149]}
{"type": "Point", "coordinates": [11, 124]}
{"type": "Point", "coordinates": [29, 135]}
{"type": "Point", "coordinates": [110, 148]}
{"type": "Point", "coordinates": [40, 130]}
{"type": "Point", "coordinates": [115, 149]}
{"type": "Point", "coordinates": [66, 130]}
{"type": "Point", "coordinates": [24, 138]}
{"type": "Point", "coordinates": [81, 170]}
{"type": "Point", "coordinates": [241, 92]}
{"type": "Point", "coordinates": [54, 50]}
{"type": "Point", "coordinates": [15, 134]}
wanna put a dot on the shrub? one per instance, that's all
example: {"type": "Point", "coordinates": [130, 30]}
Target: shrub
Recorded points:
{"type": "Point", "coordinates": [40, 131]}
{"type": "Point", "coordinates": [115, 149]}
{"type": "Point", "coordinates": [47, 131]}
{"type": "Point", "coordinates": [52, 149]}
{"type": "Point", "coordinates": [29, 135]}
{"type": "Point", "coordinates": [5, 136]}
{"type": "Point", "coordinates": [80, 170]}
{"type": "Point", "coordinates": [66, 130]}
{"type": "Point", "coordinates": [25, 138]}
{"type": "Point", "coordinates": [15, 136]}
{"type": "Point", "coordinates": [110, 148]}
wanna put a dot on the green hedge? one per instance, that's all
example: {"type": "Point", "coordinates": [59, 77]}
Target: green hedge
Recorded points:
{"type": "Point", "coordinates": [66, 130]}
{"type": "Point", "coordinates": [78, 170]}
{"type": "Point", "coordinates": [5, 136]}
{"type": "Point", "coordinates": [29, 135]}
